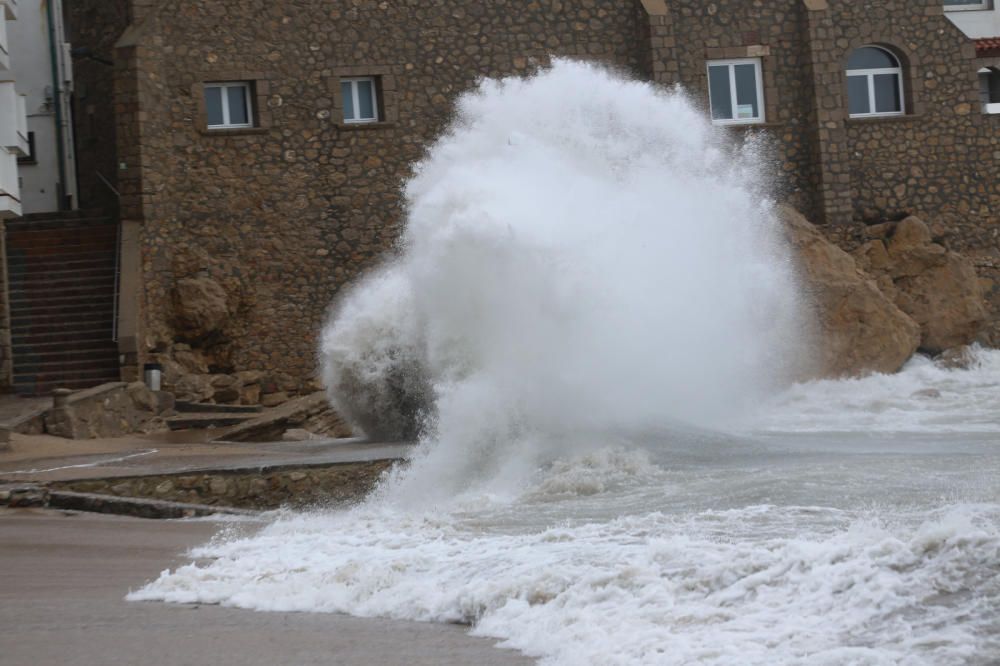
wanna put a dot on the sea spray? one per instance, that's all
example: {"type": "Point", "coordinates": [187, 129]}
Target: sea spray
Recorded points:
{"type": "Point", "coordinates": [583, 255]}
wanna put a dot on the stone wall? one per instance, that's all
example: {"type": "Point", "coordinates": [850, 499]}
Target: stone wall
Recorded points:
{"type": "Point", "coordinates": [940, 161]}
{"type": "Point", "coordinates": [284, 215]}
{"type": "Point", "coordinates": [776, 32]}
{"type": "Point", "coordinates": [260, 489]}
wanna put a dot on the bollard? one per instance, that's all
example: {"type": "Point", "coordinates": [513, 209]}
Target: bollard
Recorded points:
{"type": "Point", "coordinates": [60, 398]}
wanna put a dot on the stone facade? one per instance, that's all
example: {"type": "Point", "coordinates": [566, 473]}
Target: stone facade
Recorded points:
{"type": "Point", "coordinates": [284, 214]}
{"type": "Point", "coordinates": [267, 488]}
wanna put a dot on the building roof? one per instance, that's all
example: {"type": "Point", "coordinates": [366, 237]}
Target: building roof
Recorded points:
{"type": "Point", "coordinates": [988, 46]}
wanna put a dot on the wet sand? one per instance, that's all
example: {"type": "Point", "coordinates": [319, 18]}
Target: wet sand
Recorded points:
{"type": "Point", "coordinates": [61, 602]}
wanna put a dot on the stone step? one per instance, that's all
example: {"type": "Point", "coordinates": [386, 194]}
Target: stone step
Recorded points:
{"type": "Point", "coordinates": [187, 406]}
{"type": "Point", "coordinates": [201, 421]}
{"type": "Point", "coordinates": [76, 273]}
{"type": "Point", "coordinates": [27, 357]}
{"type": "Point", "coordinates": [32, 388]}
{"type": "Point", "coordinates": [59, 226]}
{"type": "Point", "coordinates": [62, 337]}
{"type": "Point", "coordinates": [68, 216]}
{"type": "Point", "coordinates": [42, 314]}
{"type": "Point", "coordinates": [43, 284]}
{"type": "Point", "coordinates": [47, 247]}
{"type": "Point", "coordinates": [89, 323]}
{"type": "Point", "coordinates": [20, 261]}
{"type": "Point", "coordinates": [67, 310]}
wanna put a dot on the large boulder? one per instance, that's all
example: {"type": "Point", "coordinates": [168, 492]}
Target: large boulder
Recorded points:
{"type": "Point", "coordinates": [939, 289]}
{"type": "Point", "coordinates": [859, 329]}
{"type": "Point", "coordinates": [201, 307]}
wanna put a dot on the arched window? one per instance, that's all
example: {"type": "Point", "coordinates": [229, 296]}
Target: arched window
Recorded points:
{"type": "Point", "coordinates": [989, 86]}
{"type": "Point", "coordinates": [874, 83]}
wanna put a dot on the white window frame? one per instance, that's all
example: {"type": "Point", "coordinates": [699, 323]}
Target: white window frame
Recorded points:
{"type": "Point", "coordinates": [356, 101]}
{"type": "Point", "coordinates": [731, 66]}
{"type": "Point", "coordinates": [989, 107]}
{"type": "Point", "coordinates": [969, 6]}
{"type": "Point", "coordinates": [870, 75]}
{"type": "Point", "coordinates": [224, 87]}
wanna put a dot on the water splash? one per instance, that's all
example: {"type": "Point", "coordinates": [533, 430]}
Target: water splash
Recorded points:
{"type": "Point", "coordinates": [583, 255]}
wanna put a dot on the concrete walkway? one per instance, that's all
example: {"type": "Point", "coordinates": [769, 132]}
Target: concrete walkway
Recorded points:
{"type": "Point", "coordinates": [41, 458]}
{"type": "Point", "coordinates": [61, 602]}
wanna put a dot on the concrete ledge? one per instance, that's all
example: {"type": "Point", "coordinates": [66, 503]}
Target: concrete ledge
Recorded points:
{"type": "Point", "coordinates": [20, 496]}
{"type": "Point", "coordinates": [136, 507]}
{"type": "Point", "coordinates": [256, 488]}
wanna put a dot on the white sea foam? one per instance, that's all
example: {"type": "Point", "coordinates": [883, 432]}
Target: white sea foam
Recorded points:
{"type": "Point", "coordinates": [924, 397]}
{"type": "Point", "coordinates": [641, 589]}
{"type": "Point", "coordinates": [589, 283]}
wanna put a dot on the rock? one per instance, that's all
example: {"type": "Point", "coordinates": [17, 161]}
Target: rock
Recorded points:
{"type": "Point", "coordinates": [956, 358]}
{"type": "Point", "coordinates": [274, 399]}
{"type": "Point", "coordinates": [226, 389]}
{"type": "Point", "coordinates": [911, 232]}
{"type": "Point", "coordinates": [192, 361]}
{"type": "Point", "coordinates": [142, 397]}
{"type": "Point", "coordinates": [926, 393]}
{"type": "Point", "coordinates": [872, 254]}
{"type": "Point", "coordinates": [250, 394]}
{"type": "Point", "coordinates": [194, 388]}
{"type": "Point", "coordinates": [200, 307]}
{"type": "Point", "coordinates": [859, 329]}
{"type": "Point", "coordinates": [297, 435]}
{"type": "Point", "coordinates": [250, 376]}
{"type": "Point", "coordinates": [165, 402]}
{"type": "Point", "coordinates": [939, 289]}
{"type": "Point", "coordinates": [218, 486]}
{"type": "Point", "coordinates": [279, 382]}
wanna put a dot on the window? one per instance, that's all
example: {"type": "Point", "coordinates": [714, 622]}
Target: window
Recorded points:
{"type": "Point", "coordinates": [227, 105]}
{"type": "Point", "coordinates": [989, 87]}
{"type": "Point", "coordinates": [360, 99]}
{"type": "Point", "coordinates": [735, 91]}
{"type": "Point", "coordinates": [874, 83]}
{"type": "Point", "coordinates": [959, 5]}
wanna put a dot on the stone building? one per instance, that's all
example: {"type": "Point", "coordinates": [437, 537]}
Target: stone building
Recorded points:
{"type": "Point", "coordinates": [257, 148]}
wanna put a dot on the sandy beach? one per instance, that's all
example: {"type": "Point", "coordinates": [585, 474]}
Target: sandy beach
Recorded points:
{"type": "Point", "coordinates": [61, 602]}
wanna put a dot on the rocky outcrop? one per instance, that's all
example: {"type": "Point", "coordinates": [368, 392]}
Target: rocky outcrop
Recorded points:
{"type": "Point", "coordinates": [201, 307]}
{"type": "Point", "coordinates": [859, 329]}
{"type": "Point", "coordinates": [937, 288]}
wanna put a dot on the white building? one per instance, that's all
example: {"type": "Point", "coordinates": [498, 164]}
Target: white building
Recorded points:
{"type": "Point", "coordinates": [41, 70]}
{"type": "Point", "coordinates": [980, 20]}
{"type": "Point", "coordinates": [13, 126]}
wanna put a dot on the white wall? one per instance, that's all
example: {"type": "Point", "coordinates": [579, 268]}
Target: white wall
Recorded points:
{"type": "Point", "coordinates": [977, 23]}
{"type": "Point", "coordinates": [31, 64]}
{"type": "Point", "coordinates": [13, 126]}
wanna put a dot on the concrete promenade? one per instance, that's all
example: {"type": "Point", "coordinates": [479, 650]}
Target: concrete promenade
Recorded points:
{"type": "Point", "coordinates": [42, 458]}
{"type": "Point", "coordinates": [61, 603]}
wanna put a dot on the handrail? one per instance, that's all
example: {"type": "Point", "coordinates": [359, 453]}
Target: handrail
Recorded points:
{"type": "Point", "coordinates": [108, 184]}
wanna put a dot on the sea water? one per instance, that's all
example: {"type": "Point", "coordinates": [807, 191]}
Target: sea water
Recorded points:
{"type": "Point", "coordinates": [594, 330]}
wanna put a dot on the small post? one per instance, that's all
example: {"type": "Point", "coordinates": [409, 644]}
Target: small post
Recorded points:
{"type": "Point", "coordinates": [60, 398]}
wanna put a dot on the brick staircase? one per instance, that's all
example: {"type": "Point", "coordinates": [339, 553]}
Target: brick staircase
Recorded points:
{"type": "Point", "coordinates": [61, 270]}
